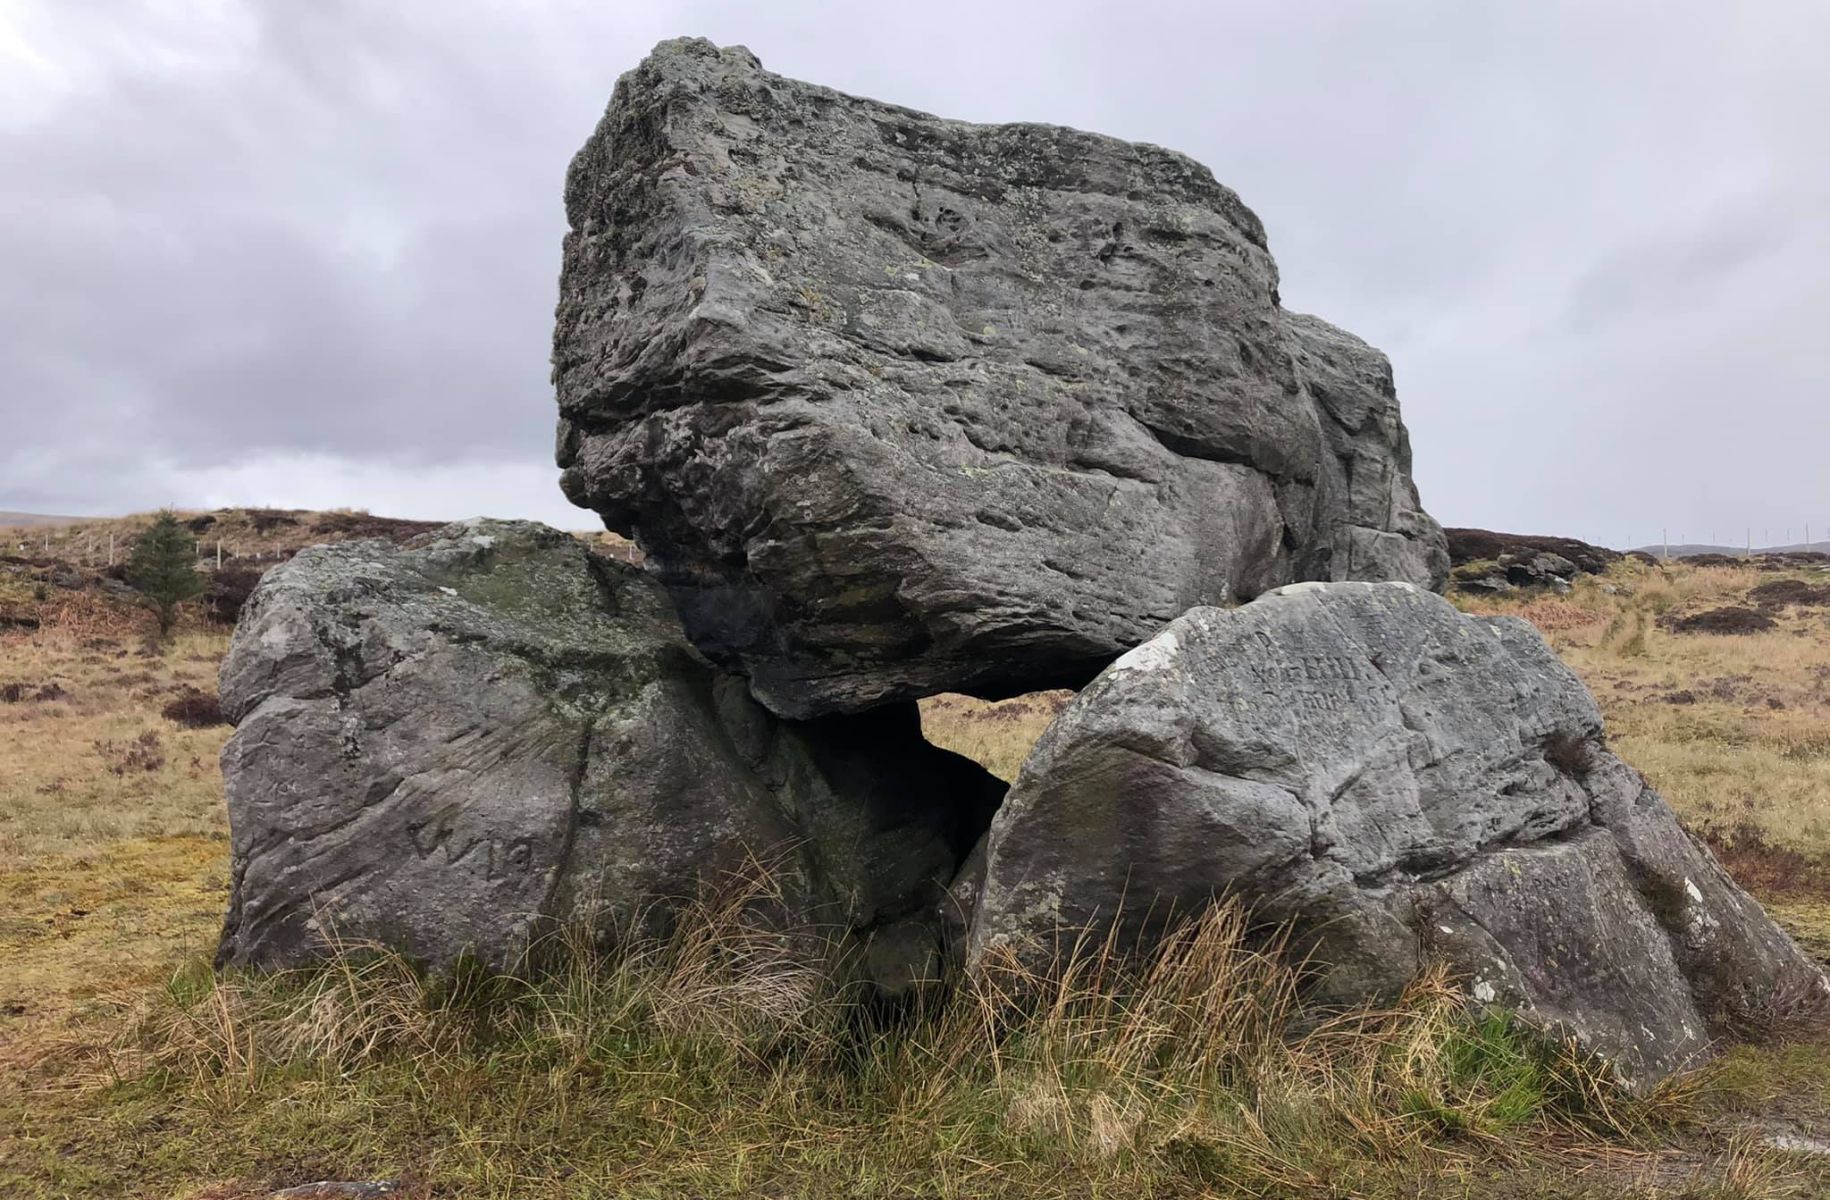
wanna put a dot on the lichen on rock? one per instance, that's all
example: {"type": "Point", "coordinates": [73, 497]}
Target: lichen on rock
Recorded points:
{"type": "Point", "coordinates": [450, 747]}
{"type": "Point", "coordinates": [1406, 785]}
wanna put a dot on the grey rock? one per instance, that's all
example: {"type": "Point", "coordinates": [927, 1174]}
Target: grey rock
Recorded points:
{"type": "Point", "coordinates": [1552, 566]}
{"type": "Point", "coordinates": [1531, 570]}
{"type": "Point", "coordinates": [338, 1189]}
{"type": "Point", "coordinates": [1491, 584]}
{"type": "Point", "coordinates": [451, 746]}
{"type": "Point", "coordinates": [898, 405]}
{"type": "Point", "coordinates": [1370, 523]}
{"type": "Point", "coordinates": [1485, 562]}
{"type": "Point", "coordinates": [1403, 783]}
{"type": "Point", "coordinates": [1468, 546]}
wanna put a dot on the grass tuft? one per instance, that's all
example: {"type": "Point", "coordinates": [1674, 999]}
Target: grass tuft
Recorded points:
{"type": "Point", "coordinates": [719, 1059]}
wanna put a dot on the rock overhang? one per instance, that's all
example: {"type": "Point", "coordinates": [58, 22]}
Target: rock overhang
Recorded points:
{"type": "Point", "coordinates": [898, 404]}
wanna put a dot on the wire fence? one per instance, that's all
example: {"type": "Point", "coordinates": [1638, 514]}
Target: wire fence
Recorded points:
{"type": "Point", "coordinates": [99, 550]}
{"type": "Point", "coordinates": [95, 550]}
{"type": "Point", "coordinates": [1742, 541]}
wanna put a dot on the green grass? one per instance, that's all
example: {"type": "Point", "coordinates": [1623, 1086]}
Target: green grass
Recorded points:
{"type": "Point", "coordinates": [722, 1061]}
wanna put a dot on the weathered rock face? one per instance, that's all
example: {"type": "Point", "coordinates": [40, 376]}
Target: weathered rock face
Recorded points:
{"type": "Point", "coordinates": [447, 746]}
{"type": "Point", "coordinates": [1406, 784]}
{"type": "Point", "coordinates": [897, 405]}
{"type": "Point", "coordinates": [1374, 527]}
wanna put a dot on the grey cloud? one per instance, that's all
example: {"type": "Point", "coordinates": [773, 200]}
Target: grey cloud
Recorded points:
{"type": "Point", "coordinates": [1684, 269]}
{"type": "Point", "coordinates": [1590, 236]}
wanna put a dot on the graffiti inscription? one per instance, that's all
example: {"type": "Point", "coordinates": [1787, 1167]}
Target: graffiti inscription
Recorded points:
{"type": "Point", "coordinates": [498, 857]}
{"type": "Point", "coordinates": [1315, 668]}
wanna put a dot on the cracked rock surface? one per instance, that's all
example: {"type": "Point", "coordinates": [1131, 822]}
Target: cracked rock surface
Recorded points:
{"type": "Point", "coordinates": [1405, 784]}
{"type": "Point", "coordinates": [899, 405]}
{"type": "Point", "coordinates": [450, 746]}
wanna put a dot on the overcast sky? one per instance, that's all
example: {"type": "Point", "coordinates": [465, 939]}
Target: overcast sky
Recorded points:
{"type": "Point", "coordinates": [304, 252]}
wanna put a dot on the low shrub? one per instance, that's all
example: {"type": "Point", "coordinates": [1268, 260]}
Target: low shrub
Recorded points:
{"type": "Point", "coordinates": [195, 710]}
{"type": "Point", "coordinates": [227, 590]}
{"type": "Point", "coordinates": [1726, 620]}
{"type": "Point", "coordinates": [1777, 593]}
{"type": "Point", "coordinates": [142, 753]}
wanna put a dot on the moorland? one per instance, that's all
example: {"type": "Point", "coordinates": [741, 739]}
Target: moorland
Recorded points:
{"type": "Point", "coordinates": [128, 1068]}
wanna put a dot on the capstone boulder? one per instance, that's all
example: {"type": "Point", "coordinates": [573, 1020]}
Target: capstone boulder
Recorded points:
{"type": "Point", "coordinates": [898, 405]}
{"type": "Point", "coordinates": [452, 746]}
{"type": "Point", "coordinates": [1405, 785]}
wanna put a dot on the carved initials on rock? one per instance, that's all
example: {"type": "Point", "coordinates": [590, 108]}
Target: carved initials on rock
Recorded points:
{"type": "Point", "coordinates": [500, 857]}
{"type": "Point", "coordinates": [1315, 668]}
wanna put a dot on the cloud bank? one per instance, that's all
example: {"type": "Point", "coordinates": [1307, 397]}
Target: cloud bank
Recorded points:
{"type": "Point", "coordinates": [305, 254]}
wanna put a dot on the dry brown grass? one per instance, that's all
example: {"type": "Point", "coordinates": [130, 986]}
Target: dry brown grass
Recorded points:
{"type": "Point", "coordinates": [714, 1061]}
{"type": "Point", "coordinates": [101, 765]}
{"type": "Point", "coordinates": [259, 534]}
{"type": "Point", "coordinates": [113, 839]}
{"type": "Point", "coordinates": [268, 533]}
{"type": "Point", "coordinates": [995, 733]}
{"type": "Point", "coordinates": [1734, 730]}
{"type": "Point", "coordinates": [696, 1068]}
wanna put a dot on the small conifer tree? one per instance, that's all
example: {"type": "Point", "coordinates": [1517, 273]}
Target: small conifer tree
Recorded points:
{"type": "Point", "coordinates": [163, 568]}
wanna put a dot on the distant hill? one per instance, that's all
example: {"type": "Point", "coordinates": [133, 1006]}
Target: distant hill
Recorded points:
{"type": "Point", "coordinates": [1694, 549]}
{"type": "Point", "coordinates": [19, 520]}
{"type": "Point", "coordinates": [243, 533]}
{"type": "Point", "coordinates": [252, 536]}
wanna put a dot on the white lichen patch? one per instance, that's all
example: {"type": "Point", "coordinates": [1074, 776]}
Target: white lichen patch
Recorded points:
{"type": "Point", "coordinates": [1157, 654]}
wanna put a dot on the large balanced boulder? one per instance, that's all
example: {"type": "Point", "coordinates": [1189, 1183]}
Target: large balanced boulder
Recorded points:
{"type": "Point", "coordinates": [1404, 784]}
{"type": "Point", "coordinates": [898, 405]}
{"type": "Point", "coordinates": [452, 746]}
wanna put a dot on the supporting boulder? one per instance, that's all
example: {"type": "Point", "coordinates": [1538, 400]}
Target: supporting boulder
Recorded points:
{"type": "Point", "coordinates": [450, 746]}
{"type": "Point", "coordinates": [1404, 784]}
{"type": "Point", "coordinates": [898, 405]}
